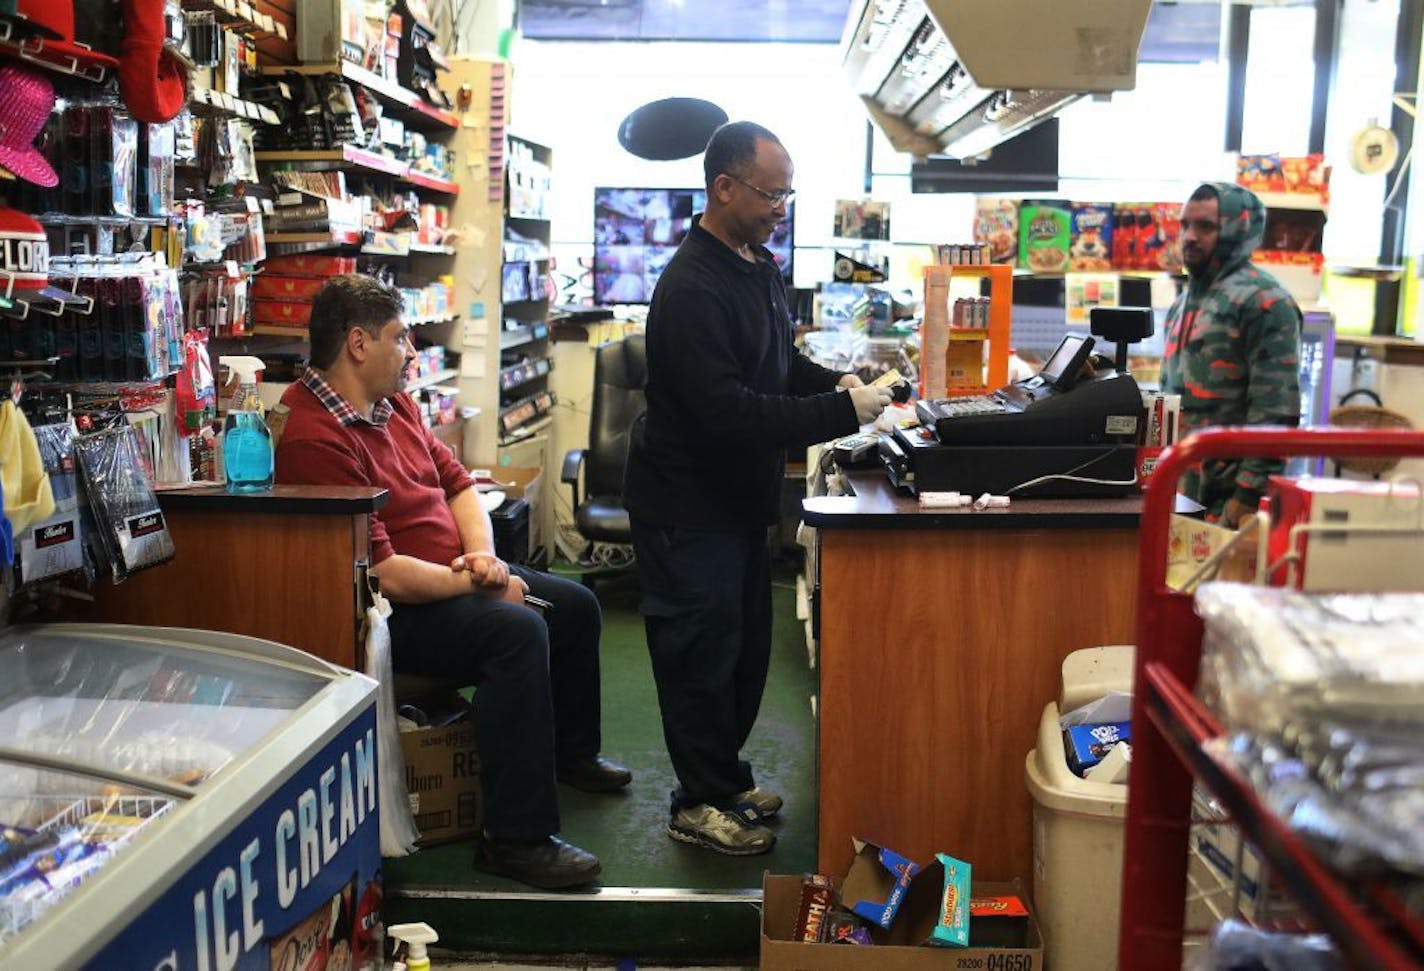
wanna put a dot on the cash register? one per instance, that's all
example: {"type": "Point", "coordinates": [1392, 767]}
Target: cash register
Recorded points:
{"type": "Point", "coordinates": [1068, 431]}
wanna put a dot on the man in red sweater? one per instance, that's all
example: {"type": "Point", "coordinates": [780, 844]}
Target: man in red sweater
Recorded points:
{"type": "Point", "coordinates": [459, 611]}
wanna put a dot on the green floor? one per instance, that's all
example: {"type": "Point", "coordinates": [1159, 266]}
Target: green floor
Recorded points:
{"type": "Point", "coordinates": [634, 911]}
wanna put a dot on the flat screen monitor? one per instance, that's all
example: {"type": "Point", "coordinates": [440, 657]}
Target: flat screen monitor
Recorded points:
{"type": "Point", "coordinates": [1062, 367]}
{"type": "Point", "coordinates": [637, 230]}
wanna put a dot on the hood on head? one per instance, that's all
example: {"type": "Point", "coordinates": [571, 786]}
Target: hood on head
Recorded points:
{"type": "Point", "coordinates": [1243, 227]}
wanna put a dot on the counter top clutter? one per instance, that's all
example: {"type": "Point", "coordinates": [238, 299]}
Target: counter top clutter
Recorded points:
{"type": "Point", "coordinates": [877, 504]}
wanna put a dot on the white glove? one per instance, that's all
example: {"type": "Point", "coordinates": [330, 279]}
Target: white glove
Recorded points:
{"type": "Point", "coordinates": [869, 400]}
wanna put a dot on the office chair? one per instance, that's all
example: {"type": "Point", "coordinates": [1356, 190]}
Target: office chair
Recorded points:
{"type": "Point", "coordinates": [620, 371]}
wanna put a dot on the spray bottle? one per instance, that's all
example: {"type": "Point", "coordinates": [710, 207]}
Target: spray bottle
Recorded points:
{"type": "Point", "coordinates": [247, 443]}
{"type": "Point", "coordinates": [414, 937]}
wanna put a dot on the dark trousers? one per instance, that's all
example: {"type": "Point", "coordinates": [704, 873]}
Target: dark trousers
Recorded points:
{"type": "Point", "coordinates": [706, 605]}
{"type": "Point", "coordinates": [538, 688]}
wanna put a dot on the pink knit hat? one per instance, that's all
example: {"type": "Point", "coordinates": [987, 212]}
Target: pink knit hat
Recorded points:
{"type": "Point", "coordinates": [26, 99]}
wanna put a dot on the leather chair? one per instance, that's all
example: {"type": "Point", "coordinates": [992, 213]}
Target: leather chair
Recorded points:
{"type": "Point", "coordinates": [620, 370]}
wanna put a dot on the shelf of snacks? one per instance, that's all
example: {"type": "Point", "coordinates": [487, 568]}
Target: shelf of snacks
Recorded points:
{"type": "Point", "coordinates": [407, 104]}
{"type": "Point", "coordinates": [346, 155]}
{"type": "Point", "coordinates": [338, 237]}
{"type": "Point", "coordinates": [433, 183]}
{"type": "Point", "coordinates": [241, 16]}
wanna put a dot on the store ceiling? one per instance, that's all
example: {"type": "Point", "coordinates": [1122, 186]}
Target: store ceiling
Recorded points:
{"type": "Point", "coordinates": [807, 21]}
{"type": "Point", "coordinates": [1185, 31]}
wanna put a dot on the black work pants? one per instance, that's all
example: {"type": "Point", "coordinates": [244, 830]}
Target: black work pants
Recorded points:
{"type": "Point", "coordinates": [538, 688]}
{"type": "Point", "coordinates": [706, 605]}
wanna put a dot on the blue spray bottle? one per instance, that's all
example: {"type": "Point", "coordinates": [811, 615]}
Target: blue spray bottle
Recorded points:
{"type": "Point", "coordinates": [247, 443]}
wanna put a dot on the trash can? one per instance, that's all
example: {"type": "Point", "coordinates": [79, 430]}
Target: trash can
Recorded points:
{"type": "Point", "coordinates": [1077, 826]}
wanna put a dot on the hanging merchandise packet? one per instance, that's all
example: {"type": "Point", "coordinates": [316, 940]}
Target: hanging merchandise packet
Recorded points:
{"type": "Point", "coordinates": [125, 509]}
{"type": "Point", "coordinates": [54, 546]}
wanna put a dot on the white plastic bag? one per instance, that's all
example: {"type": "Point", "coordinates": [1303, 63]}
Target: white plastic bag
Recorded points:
{"type": "Point", "coordinates": [398, 831]}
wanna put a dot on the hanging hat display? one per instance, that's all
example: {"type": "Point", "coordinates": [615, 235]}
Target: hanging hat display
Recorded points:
{"type": "Point", "coordinates": [56, 18]}
{"type": "Point", "coordinates": [153, 77]}
{"type": "Point", "coordinates": [26, 99]}
{"type": "Point", "coordinates": [24, 259]}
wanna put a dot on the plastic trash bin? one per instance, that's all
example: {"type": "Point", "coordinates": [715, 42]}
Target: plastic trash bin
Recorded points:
{"type": "Point", "coordinates": [1077, 827]}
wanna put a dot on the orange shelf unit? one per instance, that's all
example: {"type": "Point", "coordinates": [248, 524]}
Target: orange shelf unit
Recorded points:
{"type": "Point", "coordinates": [936, 335]}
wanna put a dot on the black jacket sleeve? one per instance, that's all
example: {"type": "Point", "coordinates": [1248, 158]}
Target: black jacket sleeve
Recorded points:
{"type": "Point", "coordinates": [701, 366]}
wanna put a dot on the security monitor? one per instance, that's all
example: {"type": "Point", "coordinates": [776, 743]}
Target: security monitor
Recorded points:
{"type": "Point", "coordinates": [1123, 326]}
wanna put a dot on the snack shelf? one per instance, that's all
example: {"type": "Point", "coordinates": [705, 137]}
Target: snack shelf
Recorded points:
{"type": "Point", "coordinates": [339, 237]}
{"type": "Point", "coordinates": [435, 248]}
{"type": "Point", "coordinates": [433, 183]}
{"type": "Point", "coordinates": [1368, 923]}
{"type": "Point", "coordinates": [336, 157]}
{"type": "Point", "coordinates": [411, 106]}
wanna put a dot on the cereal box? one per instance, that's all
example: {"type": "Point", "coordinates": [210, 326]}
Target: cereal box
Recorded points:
{"type": "Point", "coordinates": [1045, 235]}
{"type": "Point", "coordinates": [1166, 253]}
{"type": "Point", "coordinates": [1132, 229]}
{"type": "Point", "coordinates": [1091, 247]}
{"type": "Point", "coordinates": [996, 225]}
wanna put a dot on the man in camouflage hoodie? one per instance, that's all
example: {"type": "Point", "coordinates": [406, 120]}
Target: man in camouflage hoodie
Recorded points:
{"type": "Point", "coordinates": [1233, 343]}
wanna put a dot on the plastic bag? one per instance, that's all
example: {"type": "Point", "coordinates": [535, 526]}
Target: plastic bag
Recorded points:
{"type": "Point", "coordinates": [398, 830]}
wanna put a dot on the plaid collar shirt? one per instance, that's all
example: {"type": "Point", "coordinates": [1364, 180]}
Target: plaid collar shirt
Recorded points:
{"type": "Point", "coordinates": [339, 407]}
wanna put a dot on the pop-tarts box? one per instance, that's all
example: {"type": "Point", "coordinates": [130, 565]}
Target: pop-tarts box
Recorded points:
{"type": "Point", "coordinates": [875, 884]}
{"type": "Point", "coordinates": [1086, 745]}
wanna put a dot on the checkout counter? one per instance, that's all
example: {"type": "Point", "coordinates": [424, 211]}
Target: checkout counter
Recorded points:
{"type": "Point", "coordinates": [942, 630]}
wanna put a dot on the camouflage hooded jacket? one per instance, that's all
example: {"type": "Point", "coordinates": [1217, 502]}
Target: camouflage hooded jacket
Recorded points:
{"type": "Point", "coordinates": [1233, 351]}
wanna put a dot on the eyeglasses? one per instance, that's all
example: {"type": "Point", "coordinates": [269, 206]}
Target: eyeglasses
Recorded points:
{"type": "Point", "coordinates": [775, 198]}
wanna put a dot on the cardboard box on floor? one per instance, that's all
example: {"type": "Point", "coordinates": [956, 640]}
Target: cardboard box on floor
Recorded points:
{"type": "Point", "coordinates": [442, 775]}
{"type": "Point", "coordinates": [780, 952]}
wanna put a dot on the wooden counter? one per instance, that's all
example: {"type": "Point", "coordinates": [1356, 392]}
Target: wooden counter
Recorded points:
{"type": "Point", "coordinates": [284, 565]}
{"type": "Point", "coordinates": [942, 635]}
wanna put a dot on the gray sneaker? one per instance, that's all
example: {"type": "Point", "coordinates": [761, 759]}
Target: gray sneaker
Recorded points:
{"type": "Point", "coordinates": [767, 803]}
{"type": "Point", "coordinates": [724, 832]}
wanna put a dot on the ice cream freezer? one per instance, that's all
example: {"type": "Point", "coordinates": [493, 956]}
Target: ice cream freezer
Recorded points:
{"type": "Point", "coordinates": [183, 800]}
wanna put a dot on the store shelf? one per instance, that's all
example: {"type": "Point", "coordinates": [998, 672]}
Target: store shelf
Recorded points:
{"type": "Point", "coordinates": [434, 248]}
{"type": "Point", "coordinates": [430, 380]}
{"type": "Point", "coordinates": [427, 321]}
{"type": "Point", "coordinates": [346, 155]}
{"type": "Point", "coordinates": [1367, 921]}
{"type": "Point", "coordinates": [524, 334]}
{"type": "Point", "coordinates": [242, 16]}
{"type": "Point", "coordinates": [423, 181]}
{"type": "Point", "coordinates": [210, 102]}
{"type": "Point", "coordinates": [1362, 930]}
{"type": "Point", "coordinates": [66, 219]}
{"type": "Point", "coordinates": [527, 430]}
{"type": "Point", "coordinates": [408, 105]}
{"type": "Point", "coordinates": [341, 237]}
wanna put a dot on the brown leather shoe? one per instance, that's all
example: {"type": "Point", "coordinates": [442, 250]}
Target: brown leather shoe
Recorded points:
{"type": "Point", "coordinates": [549, 864]}
{"type": "Point", "coordinates": [594, 774]}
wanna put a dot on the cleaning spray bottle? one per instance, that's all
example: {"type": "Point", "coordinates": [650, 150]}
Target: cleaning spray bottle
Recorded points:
{"type": "Point", "coordinates": [247, 443]}
{"type": "Point", "coordinates": [414, 937]}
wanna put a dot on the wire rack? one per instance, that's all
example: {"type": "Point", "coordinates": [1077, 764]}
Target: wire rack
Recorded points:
{"type": "Point", "coordinates": [1292, 888]}
{"type": "Point", "coordinates": [59, 813]}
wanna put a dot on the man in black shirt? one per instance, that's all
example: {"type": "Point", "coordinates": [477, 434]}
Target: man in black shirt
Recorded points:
{"type": "Point", "coordinates": [727, 393]}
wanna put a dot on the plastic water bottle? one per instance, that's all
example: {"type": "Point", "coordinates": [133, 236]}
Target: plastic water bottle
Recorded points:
{"type": "Point", "coordinates": [247, 443]}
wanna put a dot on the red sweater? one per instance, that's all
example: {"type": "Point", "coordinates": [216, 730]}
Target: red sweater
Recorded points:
{"type": "Point", "coordinates": [401, 456]}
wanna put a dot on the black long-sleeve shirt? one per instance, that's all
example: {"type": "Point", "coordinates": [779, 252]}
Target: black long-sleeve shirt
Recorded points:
{"type": "Point", "coordinates": [728, 392]}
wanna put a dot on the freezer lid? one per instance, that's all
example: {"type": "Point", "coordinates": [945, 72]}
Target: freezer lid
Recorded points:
{"type": "Point", "coordinates": [167, 705]}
